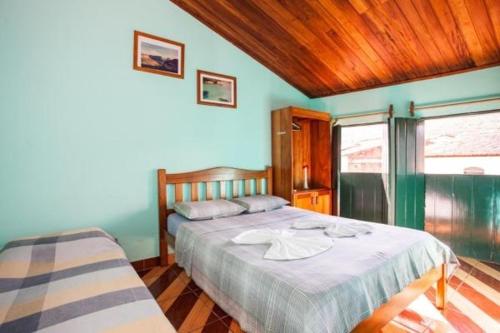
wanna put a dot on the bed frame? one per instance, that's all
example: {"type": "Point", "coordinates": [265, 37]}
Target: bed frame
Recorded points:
{"type": "Point", "coordinates": [219, 176]}
{"type": "Point", "coordinates": [212, 178]}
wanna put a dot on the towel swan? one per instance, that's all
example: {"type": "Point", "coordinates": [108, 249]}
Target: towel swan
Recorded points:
{"type": "Point", "coordinates": [284, 244]}
{"type": "Point", "coordinates": [335, 229]}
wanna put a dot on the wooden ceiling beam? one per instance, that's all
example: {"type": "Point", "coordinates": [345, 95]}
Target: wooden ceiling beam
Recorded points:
{"type": "Point", "coordinates": [325, 47]}
{"type": "Point", "coordinates": [330, 52]}
{"type": "Point", "coordinates": [274, 33]}
{"type": "Point", "coordinates": [423, 34]}
{"type": "Point", "coordinates": [461, 14]}
{"type": "Point", "coordinates": [268, 57]}
{"type": "Point", "coordinates": [267, 29]}
{"type": "Point", "coordinates": [356, 45]}
{"type": "Point", "coordinates": [437, 34]}
{"type": "Point", "coordinates": [400, 37]}
{"type": "Point", "coordinates": [493, 7]}
{"type": "Point", "coordinates": [484, 29]}
{"type": "Point", "coordinates": [358, 26]}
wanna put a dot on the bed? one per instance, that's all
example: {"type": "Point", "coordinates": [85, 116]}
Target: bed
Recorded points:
{"type": "Point", "coordinates": [74, 281]}
{"type": "Point", "coordinates": [358, 285]}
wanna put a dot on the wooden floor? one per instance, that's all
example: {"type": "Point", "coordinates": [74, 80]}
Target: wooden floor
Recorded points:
{"type": "Point", "coordinates": [474, 303]}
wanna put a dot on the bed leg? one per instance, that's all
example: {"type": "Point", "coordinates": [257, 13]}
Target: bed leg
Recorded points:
{"type": "Point", "coordinates": [164, 250]}
{"type": "Point", "coordinates": [441, 289]}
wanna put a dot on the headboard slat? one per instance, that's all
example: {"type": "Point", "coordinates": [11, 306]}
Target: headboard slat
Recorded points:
{"type": "Point", "coordinates": [220, 175]}
{"type": "Point", "coordinates": [236, 188]}
{"type": "Point", "coordinates": [248, 187]}
{"type": "Point", "coordinates": [209, 193]}
{"type": "Point", "coordinates": [194, 191]}
{"type": "Point", "coordinates": [222, 192]}
{"type": "Point", "coordinates": [179, 192]}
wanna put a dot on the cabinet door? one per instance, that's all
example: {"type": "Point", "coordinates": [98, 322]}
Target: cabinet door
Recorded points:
{"type": "Point", "coordinates": [304, 201]}
{"type": "Point", "coordinates": [323, 203]}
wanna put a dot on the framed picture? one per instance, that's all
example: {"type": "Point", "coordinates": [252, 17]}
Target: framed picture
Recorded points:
{"type": "Point", "coordinates": [158, 55]}
{"type": "Point", "coordinates": [216, 89]}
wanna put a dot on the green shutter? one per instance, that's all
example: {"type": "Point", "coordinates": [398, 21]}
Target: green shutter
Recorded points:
{"type": "Point", "coordinates": [410, 182]}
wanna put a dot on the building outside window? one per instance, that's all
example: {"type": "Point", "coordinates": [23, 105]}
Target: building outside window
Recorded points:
{"type": "Point", "coordinates": [467, 144]}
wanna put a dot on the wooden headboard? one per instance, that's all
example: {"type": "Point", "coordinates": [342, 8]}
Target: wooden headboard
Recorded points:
{"type": "Point", "coordinates": [204, 184]}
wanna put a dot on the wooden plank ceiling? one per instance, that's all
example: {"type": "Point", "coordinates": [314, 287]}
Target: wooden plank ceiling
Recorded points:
{"type": "Point", "coordinates": [326, 47]}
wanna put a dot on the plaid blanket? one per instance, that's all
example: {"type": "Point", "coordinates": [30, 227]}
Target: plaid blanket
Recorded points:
{"type": "Point", "coordinates": [76, 281]}
{"type": "Point", "coordinates": [330, 292]}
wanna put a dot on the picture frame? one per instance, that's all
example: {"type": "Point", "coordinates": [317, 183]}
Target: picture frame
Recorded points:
{"type": "Point", "coordinates": [216, 89]}
{"type": "Point", "coordinates": [158, 55]}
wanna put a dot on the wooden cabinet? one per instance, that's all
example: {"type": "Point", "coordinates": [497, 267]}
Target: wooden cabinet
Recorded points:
{"type": "Point", "coordinates": [304, 200]}
{"type": "Point", "coordinates": [301, 144]}
{"type": "Point", "coordinates": [318, 200]}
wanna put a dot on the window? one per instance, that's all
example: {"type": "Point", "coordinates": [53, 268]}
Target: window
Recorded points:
{"type": "Point", "coordinates": [364, 149]}
{"type": "Point", "coordinates": [467, 144]}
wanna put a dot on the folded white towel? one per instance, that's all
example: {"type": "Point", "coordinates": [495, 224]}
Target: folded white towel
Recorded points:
{"type": "Point", "coordinates": [335, 229]}
{"type": "Point", "coordinates": [312, 224]}
{"type": "Point", "coordinates": [284, 245]}
{"type": "Point", "coordinates": [348, 229]}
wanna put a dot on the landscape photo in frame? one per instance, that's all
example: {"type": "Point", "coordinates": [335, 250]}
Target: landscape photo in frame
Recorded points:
{"type": "Point", "coordinates": [216, 89]}
{"type": "Point", "coordinates": [158, 55]}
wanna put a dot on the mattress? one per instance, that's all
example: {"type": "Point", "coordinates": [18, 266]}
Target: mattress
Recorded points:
{"type": "Point", "coordinates": [330, 292]}
{"type": "Point", "coordinates": [76, 281]}
{"type": "Point", "coordinates": [174, 221]}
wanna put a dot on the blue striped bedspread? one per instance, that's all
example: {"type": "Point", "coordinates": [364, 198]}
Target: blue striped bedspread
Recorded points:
{"type": "Point", "coordinates": [76, 281]}
{"type": "Point", "coordinates": [330, 292]}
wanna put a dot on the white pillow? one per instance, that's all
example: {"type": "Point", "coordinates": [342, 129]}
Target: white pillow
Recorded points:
{"type": "Point", "coordinates": [209, 209]}
{"type": "Point", "coordinates": [261, 203]}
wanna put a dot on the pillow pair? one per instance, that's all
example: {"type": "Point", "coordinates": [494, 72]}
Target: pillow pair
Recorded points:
{"type": "Point", "coordinates": [261, 203]}
{"type": "Point", "coordinates": [213, 209]}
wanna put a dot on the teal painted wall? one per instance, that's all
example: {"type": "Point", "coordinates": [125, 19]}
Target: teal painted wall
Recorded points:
{"type": "Point", "coordinates": [81, 133]}
{"type": "Point", "coordinates": [456, 87]}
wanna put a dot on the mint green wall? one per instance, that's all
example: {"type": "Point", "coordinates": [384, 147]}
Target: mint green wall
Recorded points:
{"type": "Point", "coordinates": [456, 87]}
{"type": "Point", "coordinates": [81, 133]}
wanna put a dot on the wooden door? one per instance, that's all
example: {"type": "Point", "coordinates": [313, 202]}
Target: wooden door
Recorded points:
{"type": "Point", "coordinates": [335, 195]}
{"type": "Point", "coordinates": [304, 201]}
{"type": "Point", "coordinates": [281, 131]}
{"type": "Point", "coordinates": [317, 201]}
{"type": "Point", "coordinates": [323, 203]}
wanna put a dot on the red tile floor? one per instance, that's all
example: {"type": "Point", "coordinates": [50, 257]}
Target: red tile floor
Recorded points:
{"type": "Point", "coordinates": [473, 306]}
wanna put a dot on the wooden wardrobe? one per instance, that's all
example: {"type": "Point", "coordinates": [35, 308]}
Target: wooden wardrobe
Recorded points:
{"type": "Point", "coordinates": [301, 139]}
